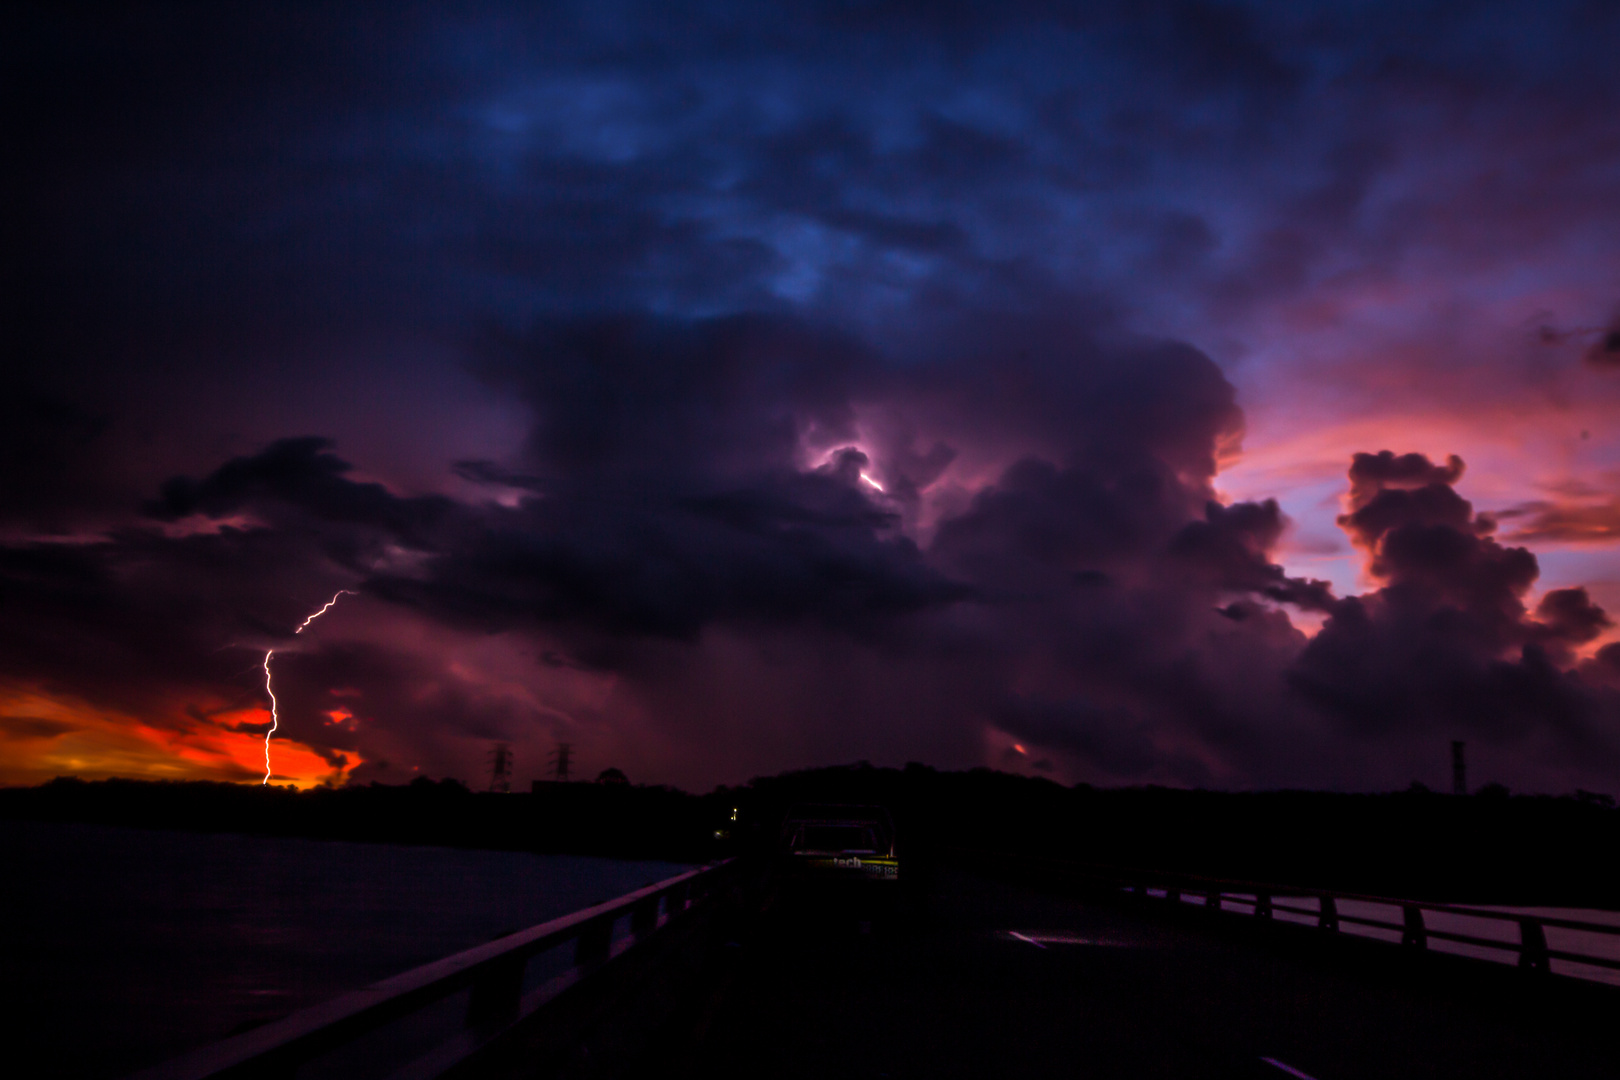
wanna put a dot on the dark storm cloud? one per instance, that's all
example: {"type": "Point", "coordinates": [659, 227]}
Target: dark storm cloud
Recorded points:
{"type": "Point", "coordinates": [1570, 618]}
{"type": "Point", "coordinates": [1373, 474]}
{"type": "Point", "coordinates": [365, 164]}
{"type": "Point", "coordinates": [666, 492]}
{"type": "Point", "coordinates": [48, 445]}
{"type": "Point", "coordinates": [1232, 545]}
{"type": "Point", "coordinates": [1092, 599]}
{"type": "Point", "coordinates": [1123, 619]}
{"type": "Point", "coordinates": [619, 398]}
{"type": "Point", "coordinates": [301, 474]}
{"type": "Point", "coordinates": [640, 564]}
{"type": "Point", "coordinates": [746, 266]}
{"type": "Point", "coordinates": [1604, 351]}
{"type": "Point", "coordinates": [677, 496]}
{"type": "Point", "coordinates": [1118, 745]}
{"type": "Point", "coordinates": [1447, 643]}
{"type": "Point", "coordinates": [128, 620]}
{"type": "Point", "coordinates": [663, 496]}
{"type": "Point", "coordinates": [32, 727]}
{"type": "Point", "coordinates": [216, 188]}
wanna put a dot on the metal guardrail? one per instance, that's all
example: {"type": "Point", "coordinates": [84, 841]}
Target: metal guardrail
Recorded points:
{"type": "Point", "coordinates": [1531, 946]}
{"type": "Point", "coordinates": [494, 973]}
{"type": "Point", "coordinates": [1264, 900]}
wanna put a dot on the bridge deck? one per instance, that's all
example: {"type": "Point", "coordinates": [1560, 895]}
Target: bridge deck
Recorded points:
{"type": "Point", "coordinates": [1101, 991]}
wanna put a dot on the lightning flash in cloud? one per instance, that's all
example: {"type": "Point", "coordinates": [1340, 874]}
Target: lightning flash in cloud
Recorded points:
{"type": "Point", "coordinates": [275, 719]}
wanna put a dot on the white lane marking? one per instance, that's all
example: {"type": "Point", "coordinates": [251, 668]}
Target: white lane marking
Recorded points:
{"type": "Point", "coordinates": [1075, 939]}
{"type": "Point", "coordinates": [1031, 940]}
{"type": "Point", "coordinates": [1289, 1069]}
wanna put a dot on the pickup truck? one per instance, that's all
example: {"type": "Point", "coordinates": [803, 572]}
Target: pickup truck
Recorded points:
{"type": "Point", "coordinates": [839, 842]}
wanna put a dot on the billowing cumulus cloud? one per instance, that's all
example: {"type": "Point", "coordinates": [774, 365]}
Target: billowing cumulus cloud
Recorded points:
{"type": "Point", "coordinates": [1447, 642]}
{"type": "Point", "coordinates": [761, 388]}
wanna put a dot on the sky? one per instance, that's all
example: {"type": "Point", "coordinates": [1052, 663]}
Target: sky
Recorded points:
{"type": "Point", "coordinates": [1197, 393]}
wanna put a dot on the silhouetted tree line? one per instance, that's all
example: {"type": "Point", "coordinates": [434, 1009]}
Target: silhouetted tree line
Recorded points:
{"type": "Point", "coordinates": [1489, 847]}
{"type": "Point", "coordinates": [578, 818]}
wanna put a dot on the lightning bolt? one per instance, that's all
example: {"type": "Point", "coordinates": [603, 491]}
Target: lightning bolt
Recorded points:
{"type": "Point", "coordinates": [275, 720]}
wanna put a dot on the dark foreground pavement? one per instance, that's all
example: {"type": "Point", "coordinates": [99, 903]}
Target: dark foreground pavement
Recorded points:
{"type": "Point", "coordinates": [1104, 990]}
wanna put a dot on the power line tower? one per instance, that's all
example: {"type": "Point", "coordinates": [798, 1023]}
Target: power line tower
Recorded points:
{"type": "Point", "coordinates": [560, 759]}
{"type": "Point", "coordinates": [500, 769]}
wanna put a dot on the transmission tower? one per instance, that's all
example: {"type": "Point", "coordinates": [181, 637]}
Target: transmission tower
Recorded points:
{"type": "Point", "coordinates": [500, 770]}
{"type": "Point", "coordinates": [560, 759]}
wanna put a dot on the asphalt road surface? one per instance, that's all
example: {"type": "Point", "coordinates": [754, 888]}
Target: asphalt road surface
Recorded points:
{"type": "Point", "coordinates": [987, 979]}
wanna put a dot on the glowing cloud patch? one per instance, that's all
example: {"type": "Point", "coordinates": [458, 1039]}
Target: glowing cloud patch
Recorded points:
{"type": "Point", "coordinates": [44, 736]}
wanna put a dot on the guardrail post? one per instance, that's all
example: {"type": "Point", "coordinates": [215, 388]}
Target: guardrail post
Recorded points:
{"type": "Point", "coordinates": [275, 1067]}
{"type": "Point", "coordinates": [644, 917]}
{"type": "Point", "coordinates": [1414, 934]}
{"type": "Point", "coordinates": [1533, 946]}
{"type": "Point", "coordinates": [1327, 917]}
{"type": "Point", "coordinates": [675, 899]}
{"type": "Point", "coordinates": [496, 996]}
{"type": "Point", "coordinates": [1262, 905]}
{"type": "Point", "coordinates": [1173, 895]}
{"type": "Point", "coordinates": [594, 943]}
{"type": "Point", "coordinates": [1213, 900]}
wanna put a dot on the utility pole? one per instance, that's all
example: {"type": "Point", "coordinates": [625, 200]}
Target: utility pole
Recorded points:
{"type": "Point", "coordinates": [560, 758]}
{"type": "Point", "coordinates": [1459, 769]}
{"type": "Point", "coordinates": [500, 772]}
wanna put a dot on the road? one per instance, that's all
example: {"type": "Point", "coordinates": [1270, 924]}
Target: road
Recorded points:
{"type": "Point", "coordinates": [996, 980]}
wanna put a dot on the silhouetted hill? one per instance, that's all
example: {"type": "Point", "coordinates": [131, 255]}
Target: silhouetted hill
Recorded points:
{"type": "Point", "coordinates": [585, 819]}
{"type": "Point", "coordinates": [1491, 847]}
{"type": "Point", "coordinates": [1484, 848]}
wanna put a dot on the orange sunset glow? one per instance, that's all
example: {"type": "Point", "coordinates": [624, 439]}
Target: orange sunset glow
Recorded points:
{"type": "Point", "coordinates": [42, 737]}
